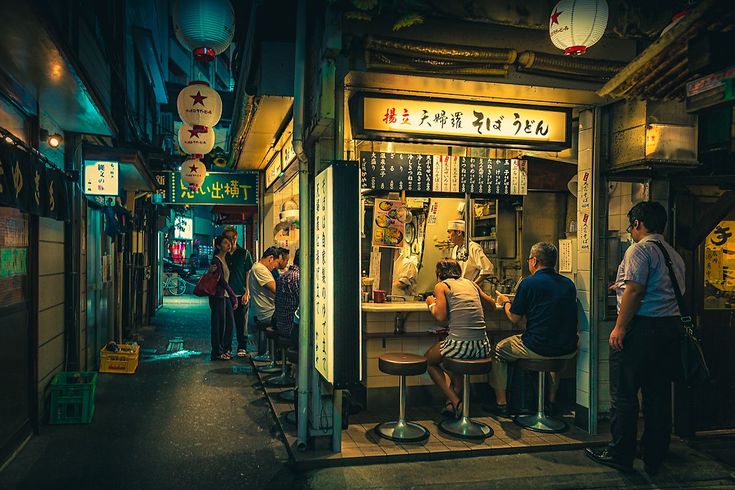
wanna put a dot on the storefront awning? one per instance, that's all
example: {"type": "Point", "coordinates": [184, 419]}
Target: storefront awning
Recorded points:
{"type": "Point", "coordinates": [662, 70]}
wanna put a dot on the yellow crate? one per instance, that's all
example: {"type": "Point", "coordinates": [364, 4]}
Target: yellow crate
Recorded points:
{"type": "Point", "coordinates": [124, 361]}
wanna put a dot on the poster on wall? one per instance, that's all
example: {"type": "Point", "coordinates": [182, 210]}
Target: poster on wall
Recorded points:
{"type": "Point", "coordinates": [389, 226]}
{"type": "Point", "coordinates": [337, 329]}
{"type": "Point", "coordinates": [565, 256]}
{"type": "Point", "coordinates": [719, 267]}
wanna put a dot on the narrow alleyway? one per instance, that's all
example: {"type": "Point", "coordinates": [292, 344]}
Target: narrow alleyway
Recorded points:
{"type": "Point", "coordinates": [177, 423]}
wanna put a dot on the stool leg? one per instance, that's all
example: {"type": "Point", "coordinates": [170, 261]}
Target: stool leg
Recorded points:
{"type": "Point", "coordinates": [265, 356]}
{"type": "Point", "coordinates": [465, 427]}
{"type": "Point", "coordinates": [272, 366]}
{"type": "Point", "coordinates": [283, 379]}
{"type": "Point", "coordinates": [401, 430]}
{"type": "Point", "coordinates": [540, 422]}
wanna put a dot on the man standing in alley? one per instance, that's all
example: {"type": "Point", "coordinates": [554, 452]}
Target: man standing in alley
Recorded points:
{"type": "Point", "coordinates": [240, 262]}
{"type": "Point", "coordinates": [644, 343]}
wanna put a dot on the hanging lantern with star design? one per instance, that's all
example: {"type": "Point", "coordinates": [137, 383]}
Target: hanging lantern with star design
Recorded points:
{"type": "Point", "coordinates": [575, 25]}
{"type": "Point", "coordinates": [196, 140]}
{"type": "Point", "coordinates": [199, 105]}
{"type": "Point", "coordinates": [206, 27]}
{"type": "Point", "coordinates": [193, 173]}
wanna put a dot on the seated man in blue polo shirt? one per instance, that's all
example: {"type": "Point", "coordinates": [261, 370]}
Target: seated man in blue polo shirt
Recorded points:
{"type": "Point", "coordinates": [548, 301]}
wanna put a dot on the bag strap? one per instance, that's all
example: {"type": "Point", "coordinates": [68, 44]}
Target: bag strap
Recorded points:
{"type": "Point", "coordinates": [685, 317]}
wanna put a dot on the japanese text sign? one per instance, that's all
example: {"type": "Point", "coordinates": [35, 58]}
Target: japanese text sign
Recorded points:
{"type": "Point", "coordinates": [218, 188]}
{"type": "Point", "coordinates": [337, 330]}
{"type": "Point", "coordinates": [273, 170]}
{"type": "Point", "coordinates": [455, 121]}
{"type": "Point", "coordinates": [101, 178]}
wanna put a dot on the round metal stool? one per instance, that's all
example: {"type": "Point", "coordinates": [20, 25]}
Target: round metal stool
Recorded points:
{"type": "Point", "coordinates": [272, 366]}
{"type": "Point", "coordinates": [402, 364]}
{"type": "Point", "coordinates": [540, 422]}
{"type": "Point", "coordinates": [290, 395]}
{"type": "Point", "coordinates": [285, 378]}
{"type": "Point", "coordinates": [266, 356]}
{"type": "Point", "coordinates": [465, 427]}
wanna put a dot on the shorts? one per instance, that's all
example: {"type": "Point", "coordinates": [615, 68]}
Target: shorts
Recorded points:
{"type": "Point", "coordinates": [465, 349]}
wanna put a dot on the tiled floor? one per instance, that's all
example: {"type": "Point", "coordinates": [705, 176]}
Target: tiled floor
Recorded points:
{"type": "Point", "coordinates": [360, 445]}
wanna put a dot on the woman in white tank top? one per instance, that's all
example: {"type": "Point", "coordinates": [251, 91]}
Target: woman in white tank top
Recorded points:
{"type": "Point", "coordinates": [458, 301]}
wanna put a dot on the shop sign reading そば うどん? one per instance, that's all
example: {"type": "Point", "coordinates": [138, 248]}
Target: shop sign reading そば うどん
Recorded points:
{"type": "Point", "coordinates": [387, 117]}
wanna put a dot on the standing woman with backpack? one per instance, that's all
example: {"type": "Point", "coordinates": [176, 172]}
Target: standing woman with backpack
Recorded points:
{"type": "Point", "coordinates": [222, 303]}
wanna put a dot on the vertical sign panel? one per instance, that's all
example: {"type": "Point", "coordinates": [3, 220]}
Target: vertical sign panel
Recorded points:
{"type": "Point", "coordinates": [337, 327]}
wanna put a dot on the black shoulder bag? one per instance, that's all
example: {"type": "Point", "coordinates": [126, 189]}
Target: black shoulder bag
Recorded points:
{"type": "Point", "coordinates": [694, 368]}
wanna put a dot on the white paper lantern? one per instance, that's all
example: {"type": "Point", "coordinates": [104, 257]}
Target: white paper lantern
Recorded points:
{"type": "Point", "coordinates": [193, 173]}
{"type": "Point", "coordinates": [575, 25]}
{"type": "Point", "coordinates": [199, 105]}
{"type": "Point", "coordinates": [206, 27]}
{"type": "Point", "coordinates": [196, 140]}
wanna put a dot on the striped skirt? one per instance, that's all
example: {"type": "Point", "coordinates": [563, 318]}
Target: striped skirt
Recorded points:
{"type": "Point", "coordinates": [465, 349]}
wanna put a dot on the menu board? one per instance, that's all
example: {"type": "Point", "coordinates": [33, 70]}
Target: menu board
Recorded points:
{"type": "Point", "coordinates": [444, 173]}
{"type": "Point", "coordinates": [389, 223]}
{"type": "Point", "coordinates": [337, 330]}
{"type": "Point", "coordinates": [397, 171]}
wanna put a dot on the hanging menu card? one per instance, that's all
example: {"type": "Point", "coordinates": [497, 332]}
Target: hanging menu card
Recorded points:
{"type": "Point", "coordinates": [397, 171]}
{"type": "Point", "coordinates": [444, 173]}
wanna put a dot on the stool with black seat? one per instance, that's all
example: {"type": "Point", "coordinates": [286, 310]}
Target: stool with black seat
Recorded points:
{"type": "Point", "coordinates": [260, 328]}
{"type": "Point", "coordinates": [272, 366]}
{"type": "Point", "coordinates": [402, 364]}
{"type": "Point", "coordinates": [290, 395]}
{"type": "Point", "coordinates": [285, 378]}
{"type": "Point", "coordinates": [292, 355]}
{"type": "Point", "coordinates": [465, 427]}
{"type": "Point", "coordinates": [540, 422]}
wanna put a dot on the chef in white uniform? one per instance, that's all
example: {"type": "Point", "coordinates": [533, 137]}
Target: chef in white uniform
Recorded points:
{"type": "Point", "coordinates": [475, 264]}
{"type": "Point", "coordinates": [405, 270]}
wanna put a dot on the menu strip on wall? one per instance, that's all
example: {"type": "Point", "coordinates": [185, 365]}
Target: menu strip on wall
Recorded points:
{"type": "Point", "coordinates": [443, 173]}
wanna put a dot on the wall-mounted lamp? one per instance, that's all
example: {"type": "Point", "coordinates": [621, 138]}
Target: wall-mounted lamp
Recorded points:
{"type": "Point", "coordinates": [54, 140]}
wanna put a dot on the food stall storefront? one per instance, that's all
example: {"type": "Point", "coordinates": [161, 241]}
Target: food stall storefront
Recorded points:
{"type": "Point", "coordinates": [510, 169]}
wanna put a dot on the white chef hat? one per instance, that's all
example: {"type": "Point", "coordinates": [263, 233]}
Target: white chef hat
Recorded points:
{"type": "Point", "coordinates": [457, 224]}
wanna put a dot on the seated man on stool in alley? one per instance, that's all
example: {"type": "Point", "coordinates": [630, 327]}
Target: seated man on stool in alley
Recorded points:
{"type": "Point", "coordinates": [548, 301]}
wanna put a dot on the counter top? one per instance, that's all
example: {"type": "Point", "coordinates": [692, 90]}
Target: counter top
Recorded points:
{"type": "Point", "coordinates": [395, 307]}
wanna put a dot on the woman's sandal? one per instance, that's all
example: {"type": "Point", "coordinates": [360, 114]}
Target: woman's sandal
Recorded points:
{"type": "Point", "coordinates": [449, 410]}
{"type": "Point", "coordinates": [458, 410]}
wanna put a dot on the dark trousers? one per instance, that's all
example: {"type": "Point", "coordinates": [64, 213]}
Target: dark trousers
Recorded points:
{"type": "Point", "coordinates": [648, 362]}
{"type": "Point", "coordinates": [222, 324]}
{"type": "Point", "coordinates": [241, 325]}
{"type": "Point", "coordinates": [260, 326]}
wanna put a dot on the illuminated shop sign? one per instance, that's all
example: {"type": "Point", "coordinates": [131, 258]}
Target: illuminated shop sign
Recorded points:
{"type": "Point", "coordinates": [387, 117]}
{"type": "Point", "coordinates": [273, 170]}
{"type": "Point", "coordinates": [219, 188]}
{"type": "Point", "coordinates": [101, 178]}
{"type": "Point", "coordinates": [183, 228]}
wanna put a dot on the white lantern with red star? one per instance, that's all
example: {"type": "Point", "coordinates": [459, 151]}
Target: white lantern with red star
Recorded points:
{"type": "Point", "coordinates": [199, 105]}
{"type": "Point", "coordinates": [196, 140]}
{"type": "Point", "coordinates": [575, 25]}
{"type": "Point", "coordinates": [193, 173]}
{"type": "Point", "coordinates": [206, 27]}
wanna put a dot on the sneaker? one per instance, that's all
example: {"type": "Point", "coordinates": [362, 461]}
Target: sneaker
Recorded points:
{"type": "Point", "coordinates": [242, 353]}
{"type": "Point", "coordinates": [605, 457]}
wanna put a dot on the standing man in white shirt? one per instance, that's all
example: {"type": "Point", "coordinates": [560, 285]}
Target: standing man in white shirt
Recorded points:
{"type": "Point", "coordinates": [644, 344]}
{"type": "Point", "coordinates": [475, 264]}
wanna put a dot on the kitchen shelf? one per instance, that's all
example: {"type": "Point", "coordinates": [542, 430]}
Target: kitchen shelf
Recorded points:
{"type": "Point", "coordinates": [490, 216]}
{"type": "Point", "coordinates": [482, 238]}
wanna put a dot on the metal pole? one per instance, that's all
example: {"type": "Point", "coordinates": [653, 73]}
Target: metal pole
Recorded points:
{"type": "Point", "coordinates": [305, 218]}
{"type": "Point", "coordinates": [466, 396]}
{"type": "Point", "coordinates": [541, 391]}
{"type": "Point", "coordinates": [402, 401]}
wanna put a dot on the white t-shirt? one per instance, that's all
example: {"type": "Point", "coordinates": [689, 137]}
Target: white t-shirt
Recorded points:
{"type": "Point", "coordinates": [405, 271]}
{"type": "Point", "coordinates": [262, 300]}
{"type": "Point", "coordinates": [477, 262]}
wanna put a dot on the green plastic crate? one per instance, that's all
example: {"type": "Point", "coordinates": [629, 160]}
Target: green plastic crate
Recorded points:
{"type": "Point", "coordinates": [72, 397]}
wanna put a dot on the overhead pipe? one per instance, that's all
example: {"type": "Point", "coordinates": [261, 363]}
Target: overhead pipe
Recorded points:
{"type": "Point", "coordinates": [305, 199]}
{"type": "Point", "coordinates": [445, 52]}
{"type": "Point", "coordinates": [564, 65]}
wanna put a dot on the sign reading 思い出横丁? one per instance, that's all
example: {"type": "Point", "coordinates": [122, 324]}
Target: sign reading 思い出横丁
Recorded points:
{"type": "Point", "coordinates": [219, 188]}
{"type": "Point", "coordinates": [386, 117]}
